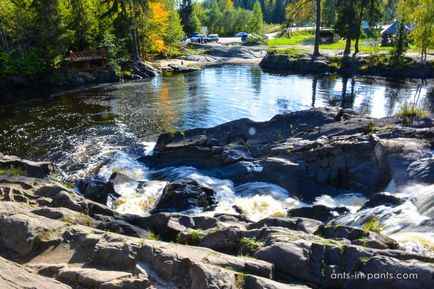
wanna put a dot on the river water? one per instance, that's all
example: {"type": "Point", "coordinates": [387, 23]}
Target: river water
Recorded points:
{"type": "Point", "coordinates": [96, 131]}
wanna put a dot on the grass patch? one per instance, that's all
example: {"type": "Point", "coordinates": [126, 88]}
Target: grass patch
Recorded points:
{"type": "Point", "coordinates": [83, 219]}
{"type": "Point", "coordinates": [68, 221]}
{"type": "Point", "coordinates": [371, 128]}
{"type": "Point", "coordinates": [240, 280]}
{"type": "Point", "coordinates": [174, 132]}
{"type": "Point", "coordinates": [12, 171]}
{"type": "Point", "coordinates": [152, 236]}
{"type": "Point", "coordinates": [364, 260]}
{"type": "Point", "coordinates": [372, 225]}
{"type": "Point", "coordinates": [45, 235]}
{"type": "Point", "coordinates": [296, 38]}
{"type": "Point", "coordinates": [59, 179]}
{"type": "Point", "coordinates": [252, 244]}
{"type": "Point", "coordinates": [195, 237]}
{"type": "Point", "coordinates": [409, 112]}
{"type": "Point", "coordinates": [287, 51]}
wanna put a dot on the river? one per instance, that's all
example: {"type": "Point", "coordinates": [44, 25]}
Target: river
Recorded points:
{"type": "Point", "coordinates": [78, 130]}
{"type": "Point", "coordinates": [97, 131]}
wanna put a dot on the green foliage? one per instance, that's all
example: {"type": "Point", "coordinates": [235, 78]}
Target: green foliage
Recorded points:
{"type": "Point", "coordinates": [152, 236]}
{"type": "Point", "coordinates": [295, 38]}
{"type": "Point", "coordinates": [420, 12]}
{"type": "Point", "coordinates": [12, 171]}
{"type": "Point", "coordinates": [409, 112]}
{"type": "Point", "coordinates": [373, 225]}
{"type": "Point", "coordinates": [37, 35]}
{"type": "Point", "coordinates": [364, 260]}
{"type": "Point", "coordinates": [195, 238]}
{"type": "Point", "coordinates": [400, 45]}
{"type": "Point", "coordinates": [252, 244]}
{"type": "Point", "coordinates": [117, 53]}
{"type": "Point", "coordinates": [257, 21]}
{"type": "Point", "coordinates": [372, 128]}
{"type": "Point", "coordinates": [287, 51]}
{"type": "Point", "coordinates": [240, 280]}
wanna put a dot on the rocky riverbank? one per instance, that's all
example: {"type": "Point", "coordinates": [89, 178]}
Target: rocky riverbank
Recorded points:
{"type": "Point", "coordinates": [199, 56]}
{"type": "Point", "coordinates": [377, 65]}
{"type": "Point", "coordinates": [52, 236]}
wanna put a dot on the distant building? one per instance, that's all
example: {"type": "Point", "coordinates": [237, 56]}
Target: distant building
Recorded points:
{"type": "Point", "coordinates": [328, 36]}
{"type": "Point", "coordinates": [389, 31]}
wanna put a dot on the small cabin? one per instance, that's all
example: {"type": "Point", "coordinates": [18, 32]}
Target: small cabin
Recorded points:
{"type": "Point", "coordinates": [389, 32]}
{"type": "Point", "coordinates": [328, 36]}
{"type": "Point", "coordinates": [87, 60]}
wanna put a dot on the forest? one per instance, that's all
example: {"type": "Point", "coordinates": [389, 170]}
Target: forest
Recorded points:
{"type": "Point", "coordinates": [37, 35]}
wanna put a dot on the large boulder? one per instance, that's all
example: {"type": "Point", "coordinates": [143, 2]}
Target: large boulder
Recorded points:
{"type": "Point", "coordinates": [185, 194]}
{"type": "Point", "coordinates": [318, 212]}
{"type": "Point", "coordinates": [144, 70]}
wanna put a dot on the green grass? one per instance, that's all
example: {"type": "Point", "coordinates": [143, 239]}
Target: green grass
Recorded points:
{"type": "Point", "coordinates": [195, 237]}
{"type": "Point", "coordinates": [240, 280]}
{"type": "Point", "coordinates": [152, 236]}
{"type": "Point", "coordinates": [410, 111]}
{"type": "Point", "coordinates": [372, 128]}
{"type": "Point", "coordinates": [252, 244]}
{"type": "Point", "coordinates": [12, 171]}
{"type": "Point", "coordinates": [372, 225]}
{"type": "Point", "coordinates": [330, 243]}
{"type": "Point", "coordinates": [296, 38]}
{"type": "Point", "coordinates": [287, 51]}
{"type": "Point", "coordinates": [173, 132]}
{"type": "Point", "coordinates": [364, 260]}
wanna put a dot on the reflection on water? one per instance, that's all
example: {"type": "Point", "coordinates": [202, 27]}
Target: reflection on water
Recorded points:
{"type": "Point", "coordinates": [88, 126]}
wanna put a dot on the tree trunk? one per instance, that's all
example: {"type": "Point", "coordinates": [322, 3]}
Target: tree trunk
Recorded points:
{"type": "Point", "coordinates": [317, 28]}
{"type": "Point", "coordinates": [347, 50]}
{"type": "Point", "coordinates": [356, 45]}
{"type": "Point", "coordinates": [136, 56]}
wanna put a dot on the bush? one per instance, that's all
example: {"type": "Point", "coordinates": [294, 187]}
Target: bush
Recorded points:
{"type": "Point", "coordinates": [34, 62]}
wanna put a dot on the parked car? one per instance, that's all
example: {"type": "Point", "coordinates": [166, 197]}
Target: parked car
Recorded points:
{"type": "Point", "coordinates": [211, 38]}
{"type": "Point", "coordinates": [241, 34]}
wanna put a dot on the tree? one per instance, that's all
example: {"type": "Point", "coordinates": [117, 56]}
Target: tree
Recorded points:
{"type": "Point", "coordinates": [369, 10]}
{"type": "Point", "coordinates": [257, 21]}
{"type": "Point", "coordinates": [302, 9]}
{"type": "Point", "coordinates": [83, 22]}
{"type": "Point", "coordinates": [347, 23]}
{"type": "Point", "coordinates": [317, 28]}
{"type": "Point", "coordinates": [214, 18]}
{"type": "Point", "coordinates": [420, 13]}
{"type": "Point", "coordinates": [400, 44]}
{"type": "Point", "coordinates": [186, 14]}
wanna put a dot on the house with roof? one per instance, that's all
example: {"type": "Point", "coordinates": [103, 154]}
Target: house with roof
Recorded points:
{"type": "Point", "coordinates": [390, 31]}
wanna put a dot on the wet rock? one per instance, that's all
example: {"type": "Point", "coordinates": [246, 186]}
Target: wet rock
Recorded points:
{"type": "Point", "coordinates": [29, 168]}
{"type": "Point", "coordinates": [100, 191]}
{"type": "Point", "coordinates": [382, 199]}
{"type": "Point", "coordinates": [176, 68]}
{"type": "Point", "coordinates": [185, 194]}
{"type": "Point", "coordinates": [144, 70]}
{"type": "Point", "coordinates": [94, 190]}
{"type": "Point", "coordinates": [318, 212]}
{"type": "Point", "coordinates": [105, 76]}
{"type": "Point", "coordinates": [403, 155]}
